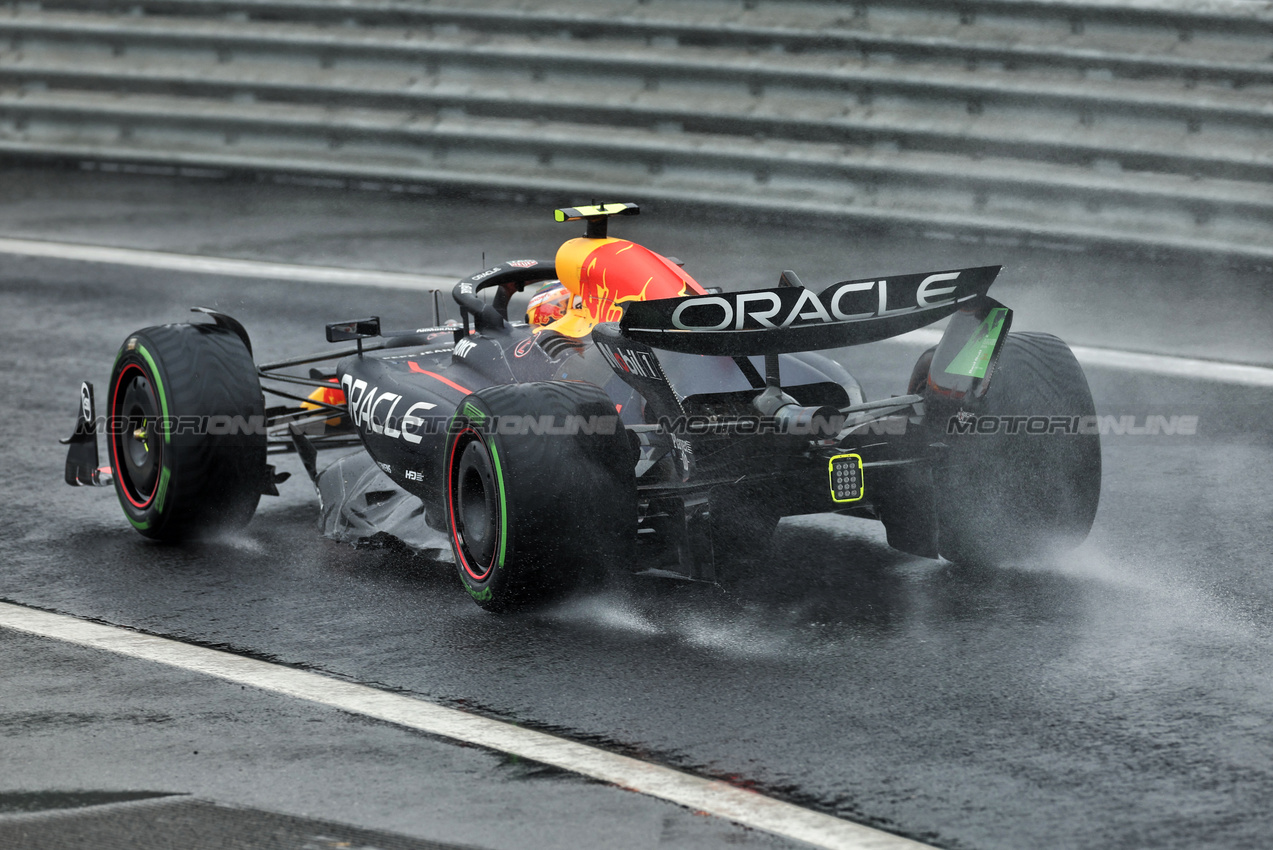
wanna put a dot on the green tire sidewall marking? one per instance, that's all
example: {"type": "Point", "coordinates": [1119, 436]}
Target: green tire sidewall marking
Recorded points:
{"type": "Point", "coordinates": [137, 523]}
{"type": "Point", "coordinates": [503, 508]}
{"type": "Point", "coordinates": [480, 595]}
{"type": "Point", "coordinates": [159, 384]}
{"type": "Point", "coordinates": [163, 490]}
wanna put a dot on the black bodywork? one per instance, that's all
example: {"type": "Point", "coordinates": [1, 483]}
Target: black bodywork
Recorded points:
{"type": "Point", "coordinates": [728, 408]}
{"type": "Point", "coordinates": [712, 430]}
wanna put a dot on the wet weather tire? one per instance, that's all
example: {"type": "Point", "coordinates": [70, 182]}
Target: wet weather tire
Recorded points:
{"type": "Point", "coordinates": [186, 436]}
{"type": "Point", "coordinates": [1005, 497]}
{"type": "Point", "coordinates": [532, 515]}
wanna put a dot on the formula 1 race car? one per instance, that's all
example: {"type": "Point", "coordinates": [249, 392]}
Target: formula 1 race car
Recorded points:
{"type": "Point", "coordinates": [635, 419]}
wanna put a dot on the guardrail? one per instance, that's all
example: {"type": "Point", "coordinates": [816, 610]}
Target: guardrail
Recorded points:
{"type": "Point", "coordinates": [1027, 119]}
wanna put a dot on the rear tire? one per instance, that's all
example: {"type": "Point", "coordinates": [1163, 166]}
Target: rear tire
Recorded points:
{"type": "Point", "coordinates": [533, 515]}
{"type": "Point", "coordinates": [204, 469]}
{"type": "Point", "coordinates": [1004, 497]}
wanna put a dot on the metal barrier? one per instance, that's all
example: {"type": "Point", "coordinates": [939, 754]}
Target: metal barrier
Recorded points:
{"type": "Point", "coordinates": [1026, 119]}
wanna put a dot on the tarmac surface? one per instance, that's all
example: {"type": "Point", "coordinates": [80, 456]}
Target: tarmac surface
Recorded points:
{"type": "Point", "coordinates": [1120, 695]}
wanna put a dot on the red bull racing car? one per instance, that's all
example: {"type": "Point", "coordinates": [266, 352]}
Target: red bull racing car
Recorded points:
{"type": "Point", "coordinates": [633, 419]}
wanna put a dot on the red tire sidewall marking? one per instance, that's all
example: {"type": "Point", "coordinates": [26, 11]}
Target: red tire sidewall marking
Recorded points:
{"type": "Point", "coordinates": [452, 486]}
{"type": "Point", "coordinates": [114, 438]}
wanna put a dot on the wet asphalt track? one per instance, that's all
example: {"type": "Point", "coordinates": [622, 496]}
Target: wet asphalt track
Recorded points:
{"type": "Point", "coordinates": [1119, 696]}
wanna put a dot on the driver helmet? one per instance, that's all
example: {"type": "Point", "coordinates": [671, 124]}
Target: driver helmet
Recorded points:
{"type": "Point", "coordinates": [548, 304]}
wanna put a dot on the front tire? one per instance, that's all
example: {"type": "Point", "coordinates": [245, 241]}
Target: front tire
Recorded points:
{"type": "Point", "coordinates": [1005, 497]}
{"type": "Point", "coordinates": [187, 431]}
{"type": "Point", "coordinates": [540, 491]}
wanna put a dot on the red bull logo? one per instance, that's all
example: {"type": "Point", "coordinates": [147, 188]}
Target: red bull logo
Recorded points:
{"type": "Point", "coordinates": [606, 273]}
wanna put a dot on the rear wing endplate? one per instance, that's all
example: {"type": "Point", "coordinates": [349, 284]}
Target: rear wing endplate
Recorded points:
{"type": "Point", "coordinates": [965, 359]}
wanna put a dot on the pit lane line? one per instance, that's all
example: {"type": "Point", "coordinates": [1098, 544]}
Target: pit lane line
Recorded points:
{"type": "Point", "coordinates": [1109, 358]}
{"type": "Point", "coordinates": [741, 806]}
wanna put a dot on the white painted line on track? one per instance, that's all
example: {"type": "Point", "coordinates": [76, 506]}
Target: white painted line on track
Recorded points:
{"type": "Point", "coordinates": [191, 263]}
{"type": "Point", "coordinates": [1175, 367]}
{"type": "Point", "coordinates": [1165, 365]}
{"type": "Point", "coordinates": [714, 797]}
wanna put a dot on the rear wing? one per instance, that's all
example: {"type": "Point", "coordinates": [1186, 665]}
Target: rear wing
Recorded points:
{"type": "Point", "coordinates": [792, 318]}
